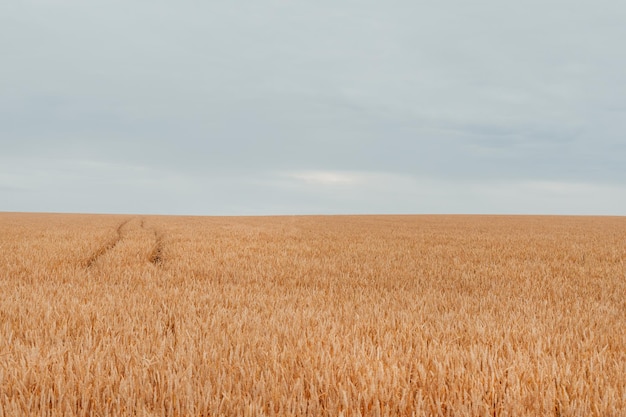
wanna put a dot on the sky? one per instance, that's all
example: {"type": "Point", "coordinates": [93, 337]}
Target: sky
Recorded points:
{"type": "Point", "coordinates": [299, 107]}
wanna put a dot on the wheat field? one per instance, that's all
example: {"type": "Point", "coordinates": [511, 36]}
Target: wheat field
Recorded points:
{"type": "Point", "coordinates": [107, 315]}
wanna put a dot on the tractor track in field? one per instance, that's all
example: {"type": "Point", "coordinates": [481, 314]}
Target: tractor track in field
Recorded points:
{"type": "Point", "coordinates": [108, 246]}
{"type": "Point", "coordinates": [156, 254]}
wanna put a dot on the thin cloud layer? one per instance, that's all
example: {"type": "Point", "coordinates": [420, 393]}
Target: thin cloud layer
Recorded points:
{"type": "Point", "coordinates": [189, 101]}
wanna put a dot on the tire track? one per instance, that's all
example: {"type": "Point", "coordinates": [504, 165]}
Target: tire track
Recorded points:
{"type": "Point", "coordinates": [108, 246]}
{"type": "Point", "coordinates": [156, 254]}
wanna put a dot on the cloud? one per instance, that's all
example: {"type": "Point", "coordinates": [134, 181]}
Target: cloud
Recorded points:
{"type": "Point", "coordinates": [319, 104]}
{"type": "Point", "coordinates": [99, 186]}
{"type": "Point", "coordinates": [326, 177]}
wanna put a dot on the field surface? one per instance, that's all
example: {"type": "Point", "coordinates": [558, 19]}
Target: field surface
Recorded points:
{"type": "Point", "coordinates": [337, 315]}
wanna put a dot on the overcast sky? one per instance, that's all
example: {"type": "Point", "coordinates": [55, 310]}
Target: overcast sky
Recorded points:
{"type": "Point", "coordinates": [292, 107]}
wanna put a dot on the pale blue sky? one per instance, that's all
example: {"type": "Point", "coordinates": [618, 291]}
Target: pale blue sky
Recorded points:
{"type": "Point", "coordinates": [289, 107]}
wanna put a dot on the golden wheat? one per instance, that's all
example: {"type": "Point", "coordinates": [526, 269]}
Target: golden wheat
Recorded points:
{"type": "Point", "coordinates": [336, 315]}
